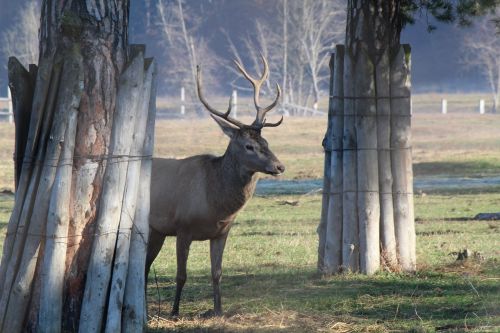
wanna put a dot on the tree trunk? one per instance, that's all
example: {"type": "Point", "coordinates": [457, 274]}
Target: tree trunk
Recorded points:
{"type": "Point", "coordinates": [43, 273]}
{"type": "Point", "coordinates": [376, 209]}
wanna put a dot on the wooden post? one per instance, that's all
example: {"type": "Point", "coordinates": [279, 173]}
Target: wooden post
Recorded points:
{"type": "Point", "coordinates": [367, 159]}
{"type": "Point", "coordinates": [333, 247]}
{"type": "Point", "coordinates": [444, 106]}
{"type": "Point", "coordinates": [401, 159]}
{"type": "Point", "coordinates": [350, 235]}
{"type": "Point", "coordinates": [53, 267]}
{"type": "Point", "coordinates": [183, 100]}
{"type": "Point", "coordinates": [135, 298]}
{"type": "Point", "coordinates": [387, 235]}
{"type": "Point", "coordinates": [128, 212]}
{"type": "Point", "coordinates": [481, 106]}
{"type": "Point", "coordinates": [129, 93]}
{"type": "Point", "coordinates": [327, 147]}
{"type": "Point", "coordinates": [21, 83]}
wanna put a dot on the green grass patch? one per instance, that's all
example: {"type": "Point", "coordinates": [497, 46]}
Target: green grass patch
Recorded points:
{"type": "Point", "coordinates": [270, 282]}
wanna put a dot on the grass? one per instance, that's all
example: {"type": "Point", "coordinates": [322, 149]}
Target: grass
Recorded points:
{"type": "Point", "coordinates": [270, 282]}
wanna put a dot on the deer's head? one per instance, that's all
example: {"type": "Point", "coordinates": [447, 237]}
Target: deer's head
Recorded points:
{"type": "Point", "coordinates": [246, 142]}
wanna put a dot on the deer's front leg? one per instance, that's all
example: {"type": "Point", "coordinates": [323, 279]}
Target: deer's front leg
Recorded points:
{"type": "Point", "coordinates": [182, 247]}
{"type": "Point", "coordinates": [216, 250]}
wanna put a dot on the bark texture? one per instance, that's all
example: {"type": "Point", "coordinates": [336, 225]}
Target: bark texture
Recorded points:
{"type": "Point", "coordinates": [79, 117]}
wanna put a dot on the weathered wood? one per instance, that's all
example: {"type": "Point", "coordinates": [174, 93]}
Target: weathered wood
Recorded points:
{"type": "Point", "coordinates": [401, 159]}
{"type": "Point", "coordinates": [122, 251]}
{"type": "Point", "coordinates": [367, 159]}
{"type": "Point", "coordinates": [327, 147]}
{"type": "Point", "coordinates": [99, 271]}
{"type": "Point", "coordinates": [26, 178]}
{"type": "Point", "coordinates": [53, 268]}
{"type": "Point", "coordinates": [15, 316]}
{"type": "Point", "coordinates": [25, 234]}
{"type": "Point", "coordinates": [350, 238]}
{"type": "Point", "coordinates": [333, 251]}
{"type": "Point", "coordinates": [387, 235]}
{"type": "Point", "coordinates": [21, 84]}
{"type": "Point", "coordinates": [134, 312]}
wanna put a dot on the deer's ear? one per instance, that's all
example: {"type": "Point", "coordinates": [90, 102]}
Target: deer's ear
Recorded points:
{"type": "Point", "coordinates": [228, 129]}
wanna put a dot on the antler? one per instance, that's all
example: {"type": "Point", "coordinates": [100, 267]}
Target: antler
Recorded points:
{"type": "Point", "coordinates": [211, 109]}
{"type": "Point", "coordinates": [260, 119]}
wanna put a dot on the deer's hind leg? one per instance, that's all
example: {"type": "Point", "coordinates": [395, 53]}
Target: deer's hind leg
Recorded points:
{"type": "Point", "coordinates": [183, 244]}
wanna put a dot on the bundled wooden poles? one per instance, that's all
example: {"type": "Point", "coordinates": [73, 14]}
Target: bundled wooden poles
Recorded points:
{"type": "Point", "coordinates": [34, 270]}
{"type": "Point", "coordinates": [369, 221]}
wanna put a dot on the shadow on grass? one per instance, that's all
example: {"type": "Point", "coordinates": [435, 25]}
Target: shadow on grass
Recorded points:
{"type": "Point", "coordinates": [433, 298]}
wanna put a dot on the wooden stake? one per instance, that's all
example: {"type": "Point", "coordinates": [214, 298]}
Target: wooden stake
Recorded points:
{"type": "Point", "coordinates": [99, 272]}
{"type": "Point", "coordinates": [401, 159]}
{"type": "Point", "coordinates": [387, 235]}
{"type": "Point", "coordinates": [26, 177]}
{"type": "Point", "coordinates": [333, 252]}
{"type": "Point", "coordinates": [53, 267]}
{"type": "Point", "coordinates": [121, 261]}
{"type": "Point", "coordinates": [350, 238]}
{"type": "Point", "coordinates": [21, 84]}
{"type": "Point", "coordinates": [25, 244]}
{"type": "Point", "coordinates": [36, 215]}
{"type": "Point", "coordinates": [327, 147]}
{"type": "Point", "coordinates": [367, 159]}
{"type": "Point", "coordinates": [134, 317]}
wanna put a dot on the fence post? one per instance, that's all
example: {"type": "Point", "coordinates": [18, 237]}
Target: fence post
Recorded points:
{"type": "Point", "coordinates": [183, 99]}
{"type": "Point", "coordinates": [481, 106]}
{"type": "Point", "coordinates": [234, 103]}
{"type": "Point", "coordinates": [444, 106]}
{"type": "Point", "coordinates": [11, 109]}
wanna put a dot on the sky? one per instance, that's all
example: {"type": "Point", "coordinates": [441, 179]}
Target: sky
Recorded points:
{"type": "Point", "coordinates": [436, 56]}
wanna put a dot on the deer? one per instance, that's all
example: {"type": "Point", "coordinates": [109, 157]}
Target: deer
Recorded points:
{"type": "Point", "coordinates": [199, 197]}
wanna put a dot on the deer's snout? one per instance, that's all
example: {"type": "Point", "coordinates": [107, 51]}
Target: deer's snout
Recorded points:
{"type": "Point", "coordinates": [280, 167]}
{"type": "Point", "coordinates": [276, 168]}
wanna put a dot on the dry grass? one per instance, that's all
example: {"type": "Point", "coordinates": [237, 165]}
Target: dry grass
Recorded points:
{"type": "Point", "coordinates": [460, 144]}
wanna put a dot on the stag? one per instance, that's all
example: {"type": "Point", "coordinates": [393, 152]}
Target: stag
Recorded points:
{"type": "Point", "coordinates": [198, 198]}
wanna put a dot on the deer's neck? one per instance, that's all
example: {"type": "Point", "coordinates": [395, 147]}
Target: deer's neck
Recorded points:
{"type": "Point", "coordinates": [237, 183]}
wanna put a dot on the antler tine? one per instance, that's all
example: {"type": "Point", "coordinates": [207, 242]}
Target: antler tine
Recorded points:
{"type": "Point", "coordinates": [211, 109]}
{"type": "Point", "coordinates": [261, 111]}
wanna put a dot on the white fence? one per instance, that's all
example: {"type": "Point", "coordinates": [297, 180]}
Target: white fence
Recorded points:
{"type": "Point", "coordinates": [6, 111]}
{"type": "Point", "coordinates": [181, 107]}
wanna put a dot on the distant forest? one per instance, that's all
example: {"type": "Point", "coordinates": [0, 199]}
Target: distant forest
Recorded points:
{"type": "Point", "coordinates": [218, 31]}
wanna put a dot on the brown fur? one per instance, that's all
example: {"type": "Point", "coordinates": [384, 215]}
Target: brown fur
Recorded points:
{"type": "Point", "coordinates": [197, 198]}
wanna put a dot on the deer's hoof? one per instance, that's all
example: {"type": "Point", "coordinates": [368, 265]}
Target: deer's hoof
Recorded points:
{"type": "Point", "coordinates": [174, 315]}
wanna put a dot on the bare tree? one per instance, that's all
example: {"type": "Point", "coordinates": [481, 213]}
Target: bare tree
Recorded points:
{"type": "Point", "coordinates": [21, 39]}
{"type": "Point", "coordinates": [297, 44]}
{"type": "Point", "coordinates": [316, 26]}
{"type": "Point", "coordinates": [184, 50]}
{"type": "Point", "coordinates": [482, 51]}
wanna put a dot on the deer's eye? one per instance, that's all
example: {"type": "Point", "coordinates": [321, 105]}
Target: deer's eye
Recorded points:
{"type": "Point", "coordinates": [249, 147]}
